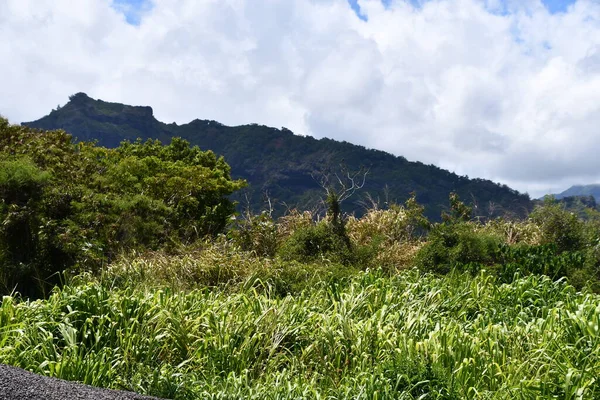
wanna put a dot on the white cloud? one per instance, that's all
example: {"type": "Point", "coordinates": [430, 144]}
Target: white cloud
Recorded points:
{"type": "Point", "coordinates": [502, 90]}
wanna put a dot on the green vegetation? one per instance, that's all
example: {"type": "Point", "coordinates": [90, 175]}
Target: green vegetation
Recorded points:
{"type": "Point", "coordinates": [76, 206]}
{"type": "Point", "coordinates": [284, 165]}
{"type": "Point", "coordinates": [585, 191]}
{"type": "Point", "coordinates": [166, 291]}
{"type": "Point", "coordinates": [371, 336]}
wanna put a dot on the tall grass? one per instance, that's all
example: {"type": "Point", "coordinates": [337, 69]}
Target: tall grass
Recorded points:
{"type": "Point", "coordinates": [368, 337]}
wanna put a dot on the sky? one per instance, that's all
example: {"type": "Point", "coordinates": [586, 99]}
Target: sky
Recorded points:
{"type": "Point", "coordinates": [507, 90]}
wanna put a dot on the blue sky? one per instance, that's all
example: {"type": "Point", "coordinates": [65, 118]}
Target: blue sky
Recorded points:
{"type": "Point", "coordinates": [558, 5]}
{"type": "Point", "coordinates": [553, 6]}
{"type": "Point", "coordinates": [133, 9]}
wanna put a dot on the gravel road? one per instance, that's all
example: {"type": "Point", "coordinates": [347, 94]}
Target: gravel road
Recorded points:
{"type": "Point", "coordinates": [18, 384]}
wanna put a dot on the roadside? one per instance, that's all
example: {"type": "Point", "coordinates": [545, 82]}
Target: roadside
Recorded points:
{"type": "Point", "coordinates": [18, 384]}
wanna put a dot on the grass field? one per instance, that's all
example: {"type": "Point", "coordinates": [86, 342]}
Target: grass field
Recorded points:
{"type": "Point", "coordinates": [369, 336]}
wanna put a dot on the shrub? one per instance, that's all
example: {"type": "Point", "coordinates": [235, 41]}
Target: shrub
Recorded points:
{"type": "Point", "coordinates": [292, 221]}
{"type": "Point", "coordinates": [538, 259]}
{"type": "Point", "coordinates": [459, 211]}
{"type": "Point", "coordinates": [215, 264]}
{"type": "Point", "coordinates": [320, 241]}
{"type": "Point", "coordinates": [457, 245]}
{"type": "Point", "coordinates": [559, 226]}
{"type": "Point", "coordinates": [396, 224]}
{"type": "Point", "coordinates": [21, 181]}
{"type": "Point", "coordinates": [282, 278]}
{"type": "Point", "coordinates": [395, 256]}
{"type": "Point", "coordinates": [585, 278]}
{"type": "Point", "coordinates": [257, 234]}
{"type": "Point", "coordinates": [391, 236]}
{"type": "Point", "coordinates": [514, 232]}
{"type": "Point", "coordinates": [387, 225]}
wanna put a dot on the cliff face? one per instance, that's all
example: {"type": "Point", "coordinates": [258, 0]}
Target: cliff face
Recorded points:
{"type": "Point", "coordinates": [283, 165]}
{"type": "Point", "coordinates": [109, 123]}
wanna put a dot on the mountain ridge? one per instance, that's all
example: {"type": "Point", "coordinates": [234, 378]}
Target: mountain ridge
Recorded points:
{"type": "Point", "coordinates": [580, 190]}
{"type": "Point", "coordinates": [284, 165]}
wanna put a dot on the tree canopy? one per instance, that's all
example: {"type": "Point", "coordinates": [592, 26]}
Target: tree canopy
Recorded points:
{"type": "Point", "coordinates": [77, 205]}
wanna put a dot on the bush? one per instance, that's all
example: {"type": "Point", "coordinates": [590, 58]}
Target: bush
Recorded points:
{"type": "Point", "coordinates": [540, 260]}
{"type": "Point", "coordinates": [292, 221]}
{"type": "Point", "coordinates": [257, 234]}
{"type": "Point", "coordinates": [320, 241]}
{"type": "Point", "coordinates": [395, 256]}
{"type": "Point", "coordinates": [21, 181]}
{"type": "Point", "coordinates": [514, 232]}
{"type": "Point", "coordinates": [559, 226]}
{"type": "Point", "coordinates": [215, 264]}
{"type": "Point", "coordinates": [282, 278]}
{"type": "Point", "coordinates": [392, 225]}
{"type": "Point", "coordinates": [457, 245]}
{"type": "Point", "coordinates": [585, 279]}
{"type": "Point", "coordinates": [389, 239]}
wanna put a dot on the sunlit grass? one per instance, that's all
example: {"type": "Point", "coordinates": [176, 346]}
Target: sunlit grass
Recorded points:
{"type": "Point", "coordinates": [409, 336]}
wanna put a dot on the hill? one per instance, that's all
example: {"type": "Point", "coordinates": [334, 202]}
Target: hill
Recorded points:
{"type": "Point", "coordinates": [283, 165]}
{"type": "Point", "coordinates": [581, 190]}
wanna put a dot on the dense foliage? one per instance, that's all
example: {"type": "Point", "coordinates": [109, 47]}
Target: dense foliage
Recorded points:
{"type": "Point", "coordinates": [66, 204]}
{"type": "Point", "coordinates": [284, 165]}
{"type": "Point", "coordinates": [552, 241]}
{"type": "Point", "coordinates": [254, 314]}
{"type": "Point", "coordinates": [171, 293]}
{"type": "Point", "coordinates": [411, 336]}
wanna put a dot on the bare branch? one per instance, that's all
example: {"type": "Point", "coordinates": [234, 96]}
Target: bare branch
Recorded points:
{"type": "Point", "coordinates": [348, 190]}
{"type": "Point", "coordinates": [342, 184]}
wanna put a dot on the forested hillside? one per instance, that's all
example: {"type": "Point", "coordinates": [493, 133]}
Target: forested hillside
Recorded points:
{"type": "Point", "coordinates": [581, 190]}
{"type": "Point", "coordinates": [286, 167]}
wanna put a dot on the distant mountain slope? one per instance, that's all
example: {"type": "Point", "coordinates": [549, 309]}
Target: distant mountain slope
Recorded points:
{"type": "Point", "coordinates": [581, 190]}
{"type": "Point", "coordinates": [277, 162]}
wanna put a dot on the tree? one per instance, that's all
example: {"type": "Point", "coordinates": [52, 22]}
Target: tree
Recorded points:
{"type": "Point", "coordinates": [340, 186]}
{"type": "Point", "coordinates": [558, 226]}
{"type": "Point", "coordinates": [76, 205]}
{"type": "Point", "coordinates": [459, 211]}
{"type": "Point", "coordinates": [21, 188]}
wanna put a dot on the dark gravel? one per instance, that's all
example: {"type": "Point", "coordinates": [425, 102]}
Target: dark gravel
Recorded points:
{"type": "Point", "coordinates": [18, 384]}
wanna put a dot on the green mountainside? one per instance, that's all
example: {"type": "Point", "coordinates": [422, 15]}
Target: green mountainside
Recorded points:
{"type": "Point", "coordinates": [584, 207]}
{"type": "Point", "coordinates": [285, 166]}
{"type": "Point", "coordinates": [580, 190]}
{"type": "Point", "coordinates": [581, 200]}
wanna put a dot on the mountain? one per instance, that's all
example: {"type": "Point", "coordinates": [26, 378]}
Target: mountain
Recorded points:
{"type": "Point", "coordinates": [285, 166]}
{"type": "Point", "coordinates": [581, 190]}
